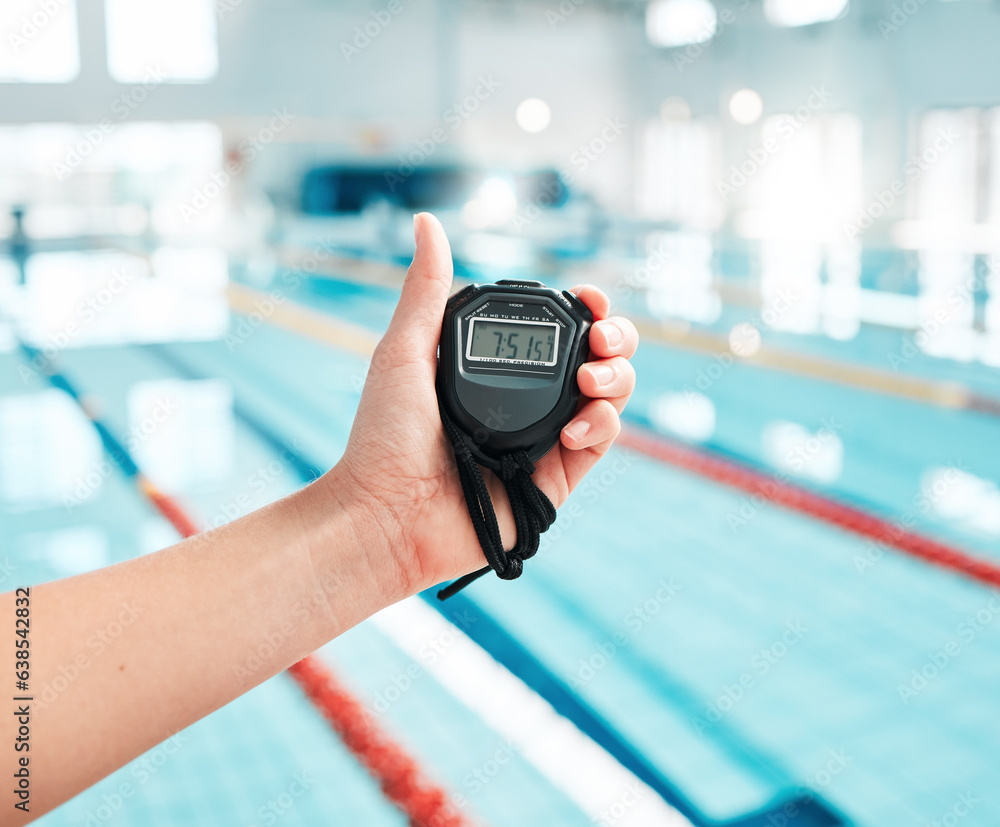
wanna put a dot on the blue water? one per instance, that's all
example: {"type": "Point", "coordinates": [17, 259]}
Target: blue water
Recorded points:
{"type": "Point", "coordinates": [743, 662]}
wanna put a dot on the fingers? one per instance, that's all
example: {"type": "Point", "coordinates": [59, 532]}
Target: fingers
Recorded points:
{"type": "Point", "coordinates": [426, 286]}
{"type": "Point", "coordinates": [616, 336]}
{"type": "Point", "coordinates": [612, 379]}
{"type": "Point", "coordinates": [594, 298]}
{"type": "Point", "coordinates": [595, 426]}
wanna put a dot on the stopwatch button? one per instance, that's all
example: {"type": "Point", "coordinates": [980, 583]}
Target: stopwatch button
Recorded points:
{"type": "Point", "coordinates": [521, 282]}
{"type": "Point", "coordinates": [577, 304]}
{"type": "Point", "coordinates": [462, 296]}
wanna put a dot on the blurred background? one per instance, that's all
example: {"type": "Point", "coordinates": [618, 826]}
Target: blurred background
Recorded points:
{"type": "Point", "coordinates": [773, 604]}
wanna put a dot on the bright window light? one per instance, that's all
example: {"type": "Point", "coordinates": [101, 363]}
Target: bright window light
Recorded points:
{"type": "Point", "coordinates": [680, 22]}
{"type": "Point", "coordinates": [746, 107]}
{"type": "Point", "coordinates": [675, 108]}
{"type": "Point", "coordinates": [533, 115]}
{"type": "Point", "coordinates": [803, 12]}
{"type": "Point", "coordinates": [493, 205]}
{"type": "Point", "coordinates": [679, 167]}
{"type": "Point", "coordinates": [172, 40]}
{"type": "Point", "coordinates": [40, 42]}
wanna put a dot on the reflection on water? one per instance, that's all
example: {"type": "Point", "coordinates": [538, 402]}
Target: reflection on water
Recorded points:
{"type": "Point", "coordinates": [181, 432]}
{"type": "Point", "coordinates": [971, 502]}
{"type": "Point", "coordinates": [49, 453]}
{"type": "Point", "coordinates": [81, 299]}
{"type": "Point", "coordinates": [65, 552]}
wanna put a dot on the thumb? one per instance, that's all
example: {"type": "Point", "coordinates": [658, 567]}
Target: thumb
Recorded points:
{"type": "Point", "coordinates": [426, 286]}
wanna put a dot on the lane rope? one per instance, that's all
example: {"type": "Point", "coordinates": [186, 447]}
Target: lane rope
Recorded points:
{"type": "Point", "coordinates": [884, 532]}
{"type": "Point", "coordinates": [329, 330]}
{"type": "Point", "coordinates": [510, 654]}
{"type": "Point", "coordinates": [403, 781]}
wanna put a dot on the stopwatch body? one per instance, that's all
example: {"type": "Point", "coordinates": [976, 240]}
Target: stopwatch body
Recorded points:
{"type": "Point", "coordinates": [507, 366]}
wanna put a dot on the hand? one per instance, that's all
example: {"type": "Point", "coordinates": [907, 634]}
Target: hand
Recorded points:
{"type": "Point", "coordinates": [399, 465]}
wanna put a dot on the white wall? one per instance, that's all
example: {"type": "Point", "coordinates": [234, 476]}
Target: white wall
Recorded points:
{"type": "Point", "coordinates": [594, 65]}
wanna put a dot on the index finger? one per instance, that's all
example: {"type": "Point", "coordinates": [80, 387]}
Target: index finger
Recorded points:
{"type": "Point", "coordinates": [594, 298]}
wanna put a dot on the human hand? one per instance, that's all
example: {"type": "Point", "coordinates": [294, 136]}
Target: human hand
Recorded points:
{"type": "Point", "coordinates": [399, 468]}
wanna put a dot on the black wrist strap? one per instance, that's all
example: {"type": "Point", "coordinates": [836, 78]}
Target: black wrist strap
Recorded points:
{"type": "Point", "coordinates": [533, 511]}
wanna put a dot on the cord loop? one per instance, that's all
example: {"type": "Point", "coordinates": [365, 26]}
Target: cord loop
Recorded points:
{"type": "Point", "coordinates": [533, 511]}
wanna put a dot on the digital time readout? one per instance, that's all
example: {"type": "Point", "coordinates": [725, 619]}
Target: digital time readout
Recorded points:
{"type": "Point", "coordinates": [498, 340]}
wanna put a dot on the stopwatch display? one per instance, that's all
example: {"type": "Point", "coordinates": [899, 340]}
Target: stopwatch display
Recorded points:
{"type": "Point", "coordinates": [507, 365]}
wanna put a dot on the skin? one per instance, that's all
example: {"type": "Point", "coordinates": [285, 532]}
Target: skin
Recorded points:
{"type": "Point", "coordinates": [133, 653]}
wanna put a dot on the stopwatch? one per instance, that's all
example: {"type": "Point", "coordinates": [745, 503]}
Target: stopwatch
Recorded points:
{"type": "Point", "coordinates": [507, 365]}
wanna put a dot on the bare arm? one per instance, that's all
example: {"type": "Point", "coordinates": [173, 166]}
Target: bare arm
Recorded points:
{"type": "Point", "coordinates": [130, 654]}
{"type": "Point", "coordinates": [137, 651]}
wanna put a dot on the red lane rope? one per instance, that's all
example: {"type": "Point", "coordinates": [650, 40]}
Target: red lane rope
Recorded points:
{"type": "Point", "coordinates": [169, 508]}
{"type": "Point", "coordinates": [799, 499]}
{"type": "Point", "coordinates": [402, 780]}
{"type": "Point", "coordinates": [400, 776]}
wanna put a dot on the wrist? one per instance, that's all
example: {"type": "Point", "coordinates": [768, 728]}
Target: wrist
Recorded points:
{"type": "Point", "coordinates": [360, 555]}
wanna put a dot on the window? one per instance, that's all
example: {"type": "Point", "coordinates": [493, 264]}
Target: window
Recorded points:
{"type": "Point", "coordinates": [173, 40]}
{"type": "Point", "coordinates": [803, 182]}
{"type": "Point", "coordinates": [40, 42]}
{"type": "Point", "coordinates": [679, 168]}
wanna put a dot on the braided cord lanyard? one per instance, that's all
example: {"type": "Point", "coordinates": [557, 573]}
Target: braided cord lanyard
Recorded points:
{"type": "Point", "coordinates": [533, 511]}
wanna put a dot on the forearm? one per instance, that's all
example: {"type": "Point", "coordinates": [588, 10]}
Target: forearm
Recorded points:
{"type": "Point", "coordinates": [126, 656]}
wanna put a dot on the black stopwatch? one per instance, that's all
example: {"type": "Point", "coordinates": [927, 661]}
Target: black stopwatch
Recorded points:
{"type": "Point", "coordinates": [507, 366]}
